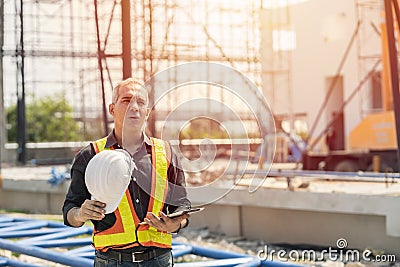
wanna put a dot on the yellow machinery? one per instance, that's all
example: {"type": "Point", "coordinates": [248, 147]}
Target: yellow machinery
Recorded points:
{"type": "Point", "coordinates": [378, 131]}
{"type": "Point", "coordinates": [375, 132]}
{"type": "Point", "coordinates": [373, 144]}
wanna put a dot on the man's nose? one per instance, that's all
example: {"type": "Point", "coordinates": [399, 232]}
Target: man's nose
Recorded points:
{"type": "Point", "coordinates": [134, 106]}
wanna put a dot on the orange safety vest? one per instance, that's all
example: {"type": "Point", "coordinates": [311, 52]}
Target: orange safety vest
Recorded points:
{"type": "Point", "coordinates": [126, 231]}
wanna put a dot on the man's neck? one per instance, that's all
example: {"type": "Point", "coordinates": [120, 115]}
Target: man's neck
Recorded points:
{"type": "Point", "coordinates": [130, 143]}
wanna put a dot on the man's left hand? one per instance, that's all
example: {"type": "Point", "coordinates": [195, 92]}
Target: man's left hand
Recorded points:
{"type": "Point", "coordinates": [164, 223]}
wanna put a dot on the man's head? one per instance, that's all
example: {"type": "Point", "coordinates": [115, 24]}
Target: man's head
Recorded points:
{"type": "Point", "coordinates": [129, 106]}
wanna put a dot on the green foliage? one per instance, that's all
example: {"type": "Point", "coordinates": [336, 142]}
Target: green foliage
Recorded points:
{"type": "Point", "coordinates": [48, 119]}
{"type": "Point", "coordinates": [203, 128]}
{"type": "Point", "coordinates": [12, 123]}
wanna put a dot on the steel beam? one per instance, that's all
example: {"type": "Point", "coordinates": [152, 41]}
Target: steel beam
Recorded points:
{"type": "Point", "coordinates": [394, 70]}
{"type": "Point", "coordinates": [126, 39]}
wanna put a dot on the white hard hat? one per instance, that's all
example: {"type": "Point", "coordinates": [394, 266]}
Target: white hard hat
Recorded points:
{"type": "Point", "coordinates": [107, 177]}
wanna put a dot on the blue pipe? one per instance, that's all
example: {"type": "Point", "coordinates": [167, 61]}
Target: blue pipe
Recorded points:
{"type": "Point", "coordinates": [256, 262]}
{"type": "Point", "coordinates": [29, 233]}
{"type": "Point", "coordinates": [220, 254]}
{"type": "Point", "coordinates": [330, 173]}
{"type": "Point", "coordinates": [45, 254]}
{"type": "Point", "coordinates": [8, 224]}
{"type": "Point", "coordinates": [58, 225]}
{"type": "Point", "coordinates": [83, 256]}
{"type": "Point", "coordinates": [253, 263]}
{"type": "Point", "coordinates": [292, 173]}
{"type": "Point", "coordinates": [88, 255]}
{"type": "Point", "coordinates": [14, 263]}
{"type": "Point", "coordinates": [80, 250]}
{"type": "Point", "coordinates": [179, 246]}
{"type": "Point", "coordinates": [4, 219]}
{"type": "Point", "coordinates": [181, 251]}
{"type": "Point", "coordinates": [215, 263]}
{"type": "Point", "coordinates": [71, 242]}
{"type": "Point", "coordinates": [65, 233]}
{"type": "Point", "coordinates": [212, 253]}
{"type": "Point", "coordinates": [29, 225]}
{"type": "Point", "coordinates": [279, 264]}
{"type": "Point", "coordinates": [21, 219]}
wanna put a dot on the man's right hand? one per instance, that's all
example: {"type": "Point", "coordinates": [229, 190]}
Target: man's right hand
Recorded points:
{"type": "Point", "coordinates": [90, 210]}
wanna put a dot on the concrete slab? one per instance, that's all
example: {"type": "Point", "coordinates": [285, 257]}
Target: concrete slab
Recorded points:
{"type": "Point", "coordinates": [320, 218]}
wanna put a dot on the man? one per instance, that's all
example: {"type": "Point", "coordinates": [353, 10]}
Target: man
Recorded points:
{"type": "Point", "coordinates": [151, 243]}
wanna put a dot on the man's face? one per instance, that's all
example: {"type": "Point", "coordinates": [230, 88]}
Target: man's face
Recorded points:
{"type": "Point", "coordinates": [130, 109]}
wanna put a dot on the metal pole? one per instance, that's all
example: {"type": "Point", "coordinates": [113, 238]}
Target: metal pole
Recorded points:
{"type": "Point", "coordinates": [152, 119]}
{"type": "Point", "coordinates": [3, 132]}
{"type": "Point", "coordinates": [100, 56]}
{"type": "Point", "coordinates": [397, 12]}
{"type": "Point", "coordinates": [21, 112]}
{"type": "Point", "coordinates": [126, 38]}
{"type": "Point", "coordinates": [394, 74]}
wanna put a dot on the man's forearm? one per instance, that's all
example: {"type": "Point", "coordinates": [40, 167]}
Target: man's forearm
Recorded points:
{"type": "Point", "coordinates": [74, 218]}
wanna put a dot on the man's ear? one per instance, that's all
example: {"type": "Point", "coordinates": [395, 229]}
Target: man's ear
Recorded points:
{"type": "Point", "coordinates": [111, 109]}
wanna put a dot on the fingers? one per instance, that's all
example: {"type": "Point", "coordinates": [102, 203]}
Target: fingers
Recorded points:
{"type": "Point", "coordinates": [155, 221]}
{"type": "Point", "coordinates": [164, 223]}
{"type": "Point", "coordinates": [173, 220]}
{"type": "Point", "coordinates": [92, 210]}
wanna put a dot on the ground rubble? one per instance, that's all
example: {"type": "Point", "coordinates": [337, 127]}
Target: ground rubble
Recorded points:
{"type": "Point", "coordinates": [239, 244]}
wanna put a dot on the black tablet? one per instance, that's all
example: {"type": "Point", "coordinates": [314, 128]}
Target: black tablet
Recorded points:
{"type": "Point", "coordinates": [181, 212]}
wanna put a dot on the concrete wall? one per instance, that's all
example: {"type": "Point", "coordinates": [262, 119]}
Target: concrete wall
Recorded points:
{"type": "Point", "coordinates": [44, 153]}
{"type": "Point", "coordinates": [298, 227]}
{"type": "Point", "coordinates": [281, 216]}
{"type": "Point", "coordinates": [32, 196]}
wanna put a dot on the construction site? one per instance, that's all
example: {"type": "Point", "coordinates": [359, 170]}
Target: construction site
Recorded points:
{"type": "Point", "coordinates": [284, 114]}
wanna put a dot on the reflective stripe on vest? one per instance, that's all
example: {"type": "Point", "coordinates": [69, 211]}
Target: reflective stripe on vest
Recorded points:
{"type": "Point", "coordinates": [122, 233]}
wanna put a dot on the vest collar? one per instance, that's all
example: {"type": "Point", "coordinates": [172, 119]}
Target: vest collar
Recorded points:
{"type": "Point", "coordinates": [112, 140]}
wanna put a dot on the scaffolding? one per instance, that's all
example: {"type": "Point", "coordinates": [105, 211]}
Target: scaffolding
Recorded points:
{"type": "Point", "coordinates": [369, 14]}
{"type": "Point", "coordinates": [57, 51]}
{"type": "Point", "coordinates": [60, 53]}
{"type": "Point", "coordinates": [278, 42]}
